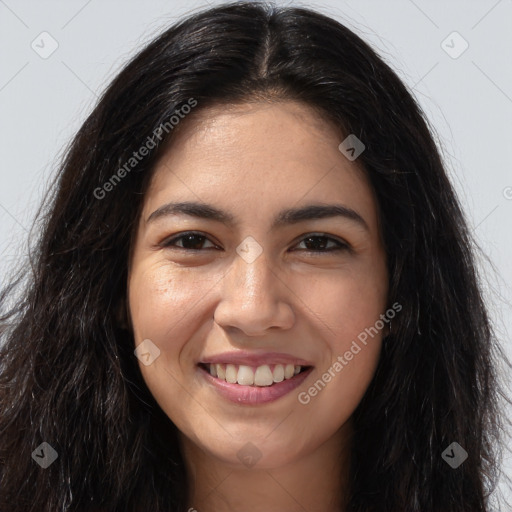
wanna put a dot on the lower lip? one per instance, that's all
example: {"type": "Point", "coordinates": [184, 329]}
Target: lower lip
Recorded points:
{"type": "Point", "coordinates": [251, 395]}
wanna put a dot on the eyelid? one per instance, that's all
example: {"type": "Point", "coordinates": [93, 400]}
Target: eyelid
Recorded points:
{"type": "Point", "coordinates": [178, 236]}
{"type": "Point", "coordinates": [343, 244]}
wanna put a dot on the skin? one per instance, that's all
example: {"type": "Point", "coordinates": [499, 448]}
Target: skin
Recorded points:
{"type": "Point", "coordinates": [248, 159]}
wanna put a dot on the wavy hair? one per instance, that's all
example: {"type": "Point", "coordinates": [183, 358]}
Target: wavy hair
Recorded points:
{"type": "Point", "coordinates": [68, 374]}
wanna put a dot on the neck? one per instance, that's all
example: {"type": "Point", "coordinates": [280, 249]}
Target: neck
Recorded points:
{"type": "Point", "coordinates": [315, 481]}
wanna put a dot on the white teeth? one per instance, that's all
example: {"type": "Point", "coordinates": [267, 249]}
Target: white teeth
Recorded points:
{"type": "Point", "coordinates": [221, 373]}
{"type": "Point", "coordinates": [247, 376]}
{"type": "Point", "coordinates": [231, 373]}
{"type": "Point", "coordinates": [263, 376]}
{"type": "Point", "coordinates": [288, 371]}
{"type": "Point", "coordinates": [278, 373]}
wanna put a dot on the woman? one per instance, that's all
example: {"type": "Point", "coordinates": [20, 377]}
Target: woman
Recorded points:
{"type": "Point", "coordinates": [254, 290]}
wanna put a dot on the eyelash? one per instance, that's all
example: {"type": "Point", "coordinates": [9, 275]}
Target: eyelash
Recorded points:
{"type": "Point", "coordinates": [342, 246]}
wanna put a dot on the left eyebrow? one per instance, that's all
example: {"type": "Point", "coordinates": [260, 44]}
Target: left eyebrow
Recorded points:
{"type": "Point", "coordinates": [285, 217]}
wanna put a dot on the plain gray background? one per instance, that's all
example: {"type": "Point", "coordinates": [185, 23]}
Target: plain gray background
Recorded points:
{"type": "Point", "coordinates": [466, 94]}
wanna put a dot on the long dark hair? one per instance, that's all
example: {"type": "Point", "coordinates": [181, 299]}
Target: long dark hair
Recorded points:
{"type": "Point", "coordinates": [68, 374]}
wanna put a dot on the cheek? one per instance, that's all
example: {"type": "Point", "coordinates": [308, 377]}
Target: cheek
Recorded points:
{"type": "Point", "coordinates": [164, 303]}
{"type": "Point", "coordinates": [333, 396]}
{"type": "Point", "coordinates": [345, 303]}
{"type": "Point", "coordinates": [348, 307]}
{"type": "Point", "coordinates": [165, 307]}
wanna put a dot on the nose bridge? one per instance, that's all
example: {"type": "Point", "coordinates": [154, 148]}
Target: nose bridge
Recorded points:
{"type": "Point", "coordinates": [254, 278]}
{"type": "Point", "coordinates": [251, 269]}
{"type": "Point", "coordinates": [251, 297]}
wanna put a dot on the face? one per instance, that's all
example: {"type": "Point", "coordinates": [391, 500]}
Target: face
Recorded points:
{"type": "Point", "coordinates": [238, 296]}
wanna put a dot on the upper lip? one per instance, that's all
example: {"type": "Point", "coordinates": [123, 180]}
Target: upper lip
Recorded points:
{"type": "Point", "coordinates": [254, 359]}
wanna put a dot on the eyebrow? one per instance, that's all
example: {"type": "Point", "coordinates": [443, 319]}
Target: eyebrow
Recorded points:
{"type": "Point", "coordinates": [284, 217]}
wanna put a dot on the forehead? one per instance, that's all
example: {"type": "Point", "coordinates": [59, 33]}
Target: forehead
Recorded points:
{"type": "Point", "coordinates": [260, 156]}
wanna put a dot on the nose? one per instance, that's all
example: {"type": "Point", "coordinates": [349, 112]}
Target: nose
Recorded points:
{"type": "Point", "coordinates": [254, 298]}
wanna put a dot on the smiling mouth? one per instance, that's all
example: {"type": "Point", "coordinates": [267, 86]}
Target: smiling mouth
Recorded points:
{"type": "Point", "coordinates": [253, 376]}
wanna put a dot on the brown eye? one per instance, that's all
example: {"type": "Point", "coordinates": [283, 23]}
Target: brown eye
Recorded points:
{"type": "Point", "coordinates": [190, 241]}
{"type": "Point", "coordinates": [315, 243]}
{"type": "Point", "coordinates": [319, 243]}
